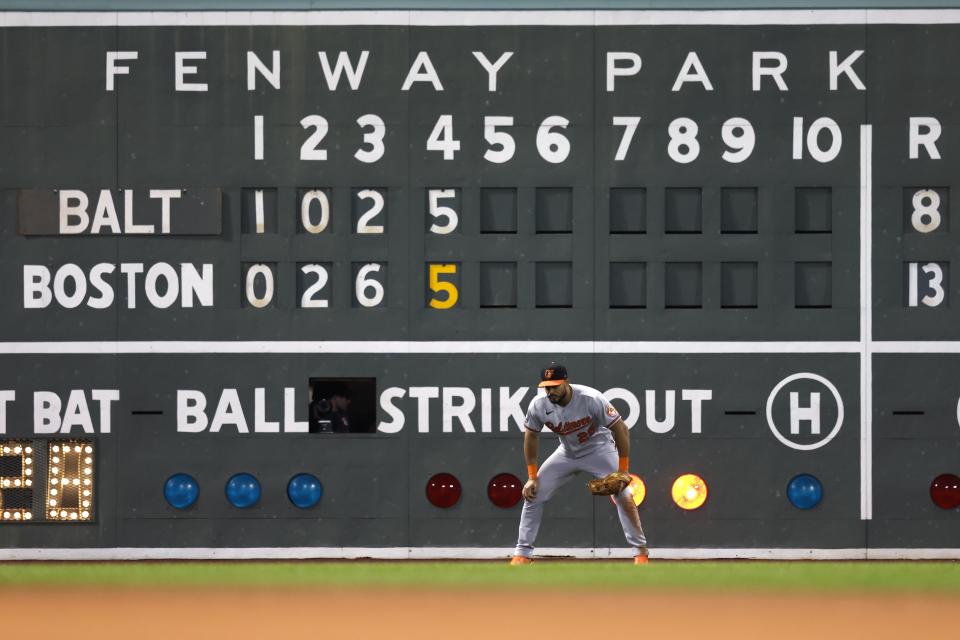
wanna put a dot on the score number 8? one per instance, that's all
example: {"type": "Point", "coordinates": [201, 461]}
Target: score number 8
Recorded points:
{"type": "Point", "coordinates": [926, 211]}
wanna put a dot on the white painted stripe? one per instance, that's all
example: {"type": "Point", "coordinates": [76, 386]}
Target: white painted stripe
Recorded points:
{"type": "Point", "coordinates": [866, 322]}
{"type": "Point", "coordinates": [419, 347]}
{"type": "Point", "coordinates": [916, 346]}
{"type": "Point", "coordinates": [476, 18]}
{"type": "Point", "coordinates": [733, 17]}
{"type": "Point", "coordinates": [464, 553]}
{"type": "Point", "coordinates": [110, 347]}
{"type": "Point", "coordinates": [913, 16]}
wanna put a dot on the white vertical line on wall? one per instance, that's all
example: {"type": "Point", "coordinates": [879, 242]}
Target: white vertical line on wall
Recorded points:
{"type": "Point", "coordinates": [866, 322]}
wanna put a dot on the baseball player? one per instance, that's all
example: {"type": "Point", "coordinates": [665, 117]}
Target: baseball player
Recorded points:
{"type": "Point", "coordinates": [593, 440]}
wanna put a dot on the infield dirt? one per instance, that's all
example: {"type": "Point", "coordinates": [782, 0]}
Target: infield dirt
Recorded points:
{"type": "Point", "coordinates": [287, 612]}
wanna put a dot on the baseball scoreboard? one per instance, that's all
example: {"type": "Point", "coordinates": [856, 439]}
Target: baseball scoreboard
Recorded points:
{"type": "Point", "coordinates": [287, 279]}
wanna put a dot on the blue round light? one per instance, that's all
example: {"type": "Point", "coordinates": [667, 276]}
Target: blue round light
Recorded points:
{"type": "Point", "coordinates": [181, 491]}
{"type": "Point", "coordinates": [804, 491]}
{"type": "Point", "coordinates": [304, 490]}
{"type": "Point", "coordinates": [243, 490]}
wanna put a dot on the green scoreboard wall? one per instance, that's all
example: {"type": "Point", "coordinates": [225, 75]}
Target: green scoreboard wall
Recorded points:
{"type": "Point", "coordinates": [736, 224]}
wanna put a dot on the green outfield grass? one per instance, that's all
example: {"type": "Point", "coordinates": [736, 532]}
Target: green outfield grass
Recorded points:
{"type": "Point", "coordinates": [937, 577]}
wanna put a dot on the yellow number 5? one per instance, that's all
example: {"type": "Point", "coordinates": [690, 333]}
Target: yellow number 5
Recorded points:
{"type": "Point", "coordinates": [438, 286]}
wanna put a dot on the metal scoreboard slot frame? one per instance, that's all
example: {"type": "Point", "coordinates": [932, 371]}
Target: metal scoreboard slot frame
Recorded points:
{"type": "Point", "coordinates": [371, 266]}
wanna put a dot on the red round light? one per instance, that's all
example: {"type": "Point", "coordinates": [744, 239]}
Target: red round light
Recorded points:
{"type": "Point", "coordinates": [945, 491]}
{"type": "Point", "coordinates": [505, 490]}
{"type": "Point", "coordinates": [443, 490]}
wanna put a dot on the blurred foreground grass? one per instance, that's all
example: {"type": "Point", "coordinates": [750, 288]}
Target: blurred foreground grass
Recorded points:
{"type": "Point", "coordinates": [813, 576]}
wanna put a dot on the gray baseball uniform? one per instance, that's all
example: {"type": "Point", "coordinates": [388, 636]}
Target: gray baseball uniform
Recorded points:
{"type": "Point", "coordinates": [586, 445]}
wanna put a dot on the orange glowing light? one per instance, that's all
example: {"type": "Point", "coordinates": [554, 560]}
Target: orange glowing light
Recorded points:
{"type": "Point", "coordinates": [638, 488]}
{"type": "Point", "coordinates": [689, 491]}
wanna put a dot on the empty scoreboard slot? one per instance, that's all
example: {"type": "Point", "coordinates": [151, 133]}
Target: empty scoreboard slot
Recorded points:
{"type": "Point", "coordinates": [498, 285]}
{"type": "Point", "coordinates": [738, 210]}
{"type": "Point", "coordinates": [343, 405]}
{"type": "Point", "coordinates": [814, 210]}
{"type": "Point", "coordinates": [683, 285]}
{"type": "Point", "coordinates": [814, 285]}
{"type": "Point", "coordinates": [554, 284]}
{"type": "Point", "coordinates": [554, 210]}
{"type": "Point", "coordinates": [738, 285]}
{"type": "Point", "coordinates": [740, 412]}
{"type": "Point", "coordinates": [628, 210]}
{"type": "Point", "coordinates": [908, 412]}
{"type": "Point", "coordinates": [683, 210]}
{"type": "Point", "coordinates": [628, 285]}
{"type": "Point", "coordinates": [498, 210]}
{"type": "Point", "coordinates": [146, 412]}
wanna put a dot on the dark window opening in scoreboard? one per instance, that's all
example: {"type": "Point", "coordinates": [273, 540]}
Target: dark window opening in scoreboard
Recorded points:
{"type": "Point", "coordinates": [498, 210]}
{"type": "Point", "coordinates": [814, 285]}
{"type": "Point", "coordinates": [554, 213]}
{"type": "Point", "coordinates": [683, 285]}
{"type": "Point", "coordinates": [738, 285]}
{"type": "Point", "coordinates": [554, 285]}
{"type": "Point", "coordinates": [498, 285]}
{"type": "Point", "coordinates": [683, 210]}
{"type": "Point", "coordinates": [343, 405]}
{"type": "Point", "coordinates": [814, 210]}
{"type": "Point", "coordinates": [738, 210]}
{"type": "Point", "coordinates": [628, 210]}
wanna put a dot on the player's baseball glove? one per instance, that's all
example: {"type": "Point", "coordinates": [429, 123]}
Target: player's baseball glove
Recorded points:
{"type": "Point", "coordinates": [609, 484]}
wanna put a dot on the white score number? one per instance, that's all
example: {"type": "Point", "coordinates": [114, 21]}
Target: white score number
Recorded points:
{"type": "Point", "coordinates": [926, 211]}
{"type": "Point", "coordinates": [822, 140]}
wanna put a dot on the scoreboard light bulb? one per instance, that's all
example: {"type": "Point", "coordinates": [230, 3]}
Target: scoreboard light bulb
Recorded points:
{"type": "Point", "coordinates": [86, 482]}
{"type": "Point", "coordinates": [53, 492]}
{"type": "Point", "coordinates": [638, 488]}
{"type": "Point", "coordinates": [16, 515]}
{"type": "Point", "coordinates": [17, 449]}
{"type": "Point", "coordinates": [77, 449]}
{"type": "Point", "coordinates": [28, 516]}
{"type": "Point", "coordinates": [6, 449]}
{"type": "Point", "coordinates": [87, 470]}
{"type": "Point", "coordinates": [73, 516]}
{"type": "Point", "coordinates": [55, 460]}
{"type": "Point", "coordinates": [16, 482]}
{"type": "Point", "coordinates": [689, 491]}
{"type": "Point", "coordinates": [29, 450]}
{"type": "Point", "coordinates": [76, 482]}
{"type": "Point", "coordinates": [28, 472]}
{"type": "Point", "coordinates": [53, 515]}
{"type": "Point", "coordinates": [28, 461]}
{"type": "Point", "coordinates": [88, 449]}
{"type": "Point", "coordinates": [56, 449]}
{"type": "Point", "coordinates": [29, 483]}
{"type": "Point", "coordinates": [5, 483]}
{"type": "Point", "coordinates": [85, 503]}
{"type": "Point", "coordinates": [88, 460]}
{"type": "Point", "coordinates": [53, 502]}
{"type": "Point", "coordinates": [54, 481]}
{"type": "Point", "coordinates": [85, 515]}
{"type": "Point", "coordinates": [63, 513]}
{"type": "Point", "coordinates": [6, 515]}
{"type": "Point", "coordinates": [55, 470]}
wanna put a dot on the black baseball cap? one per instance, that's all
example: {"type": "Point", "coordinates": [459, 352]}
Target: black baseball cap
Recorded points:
{"type": "Point", "coordinates": [553, 375]}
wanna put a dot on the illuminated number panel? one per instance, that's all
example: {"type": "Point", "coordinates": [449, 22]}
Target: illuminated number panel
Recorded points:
{"type": "Point", "coordinates": [66, 493]}
{"type": "Point", "coordinates": [70, 481]}
{"type": "Point", "coordinates": [16, 481]}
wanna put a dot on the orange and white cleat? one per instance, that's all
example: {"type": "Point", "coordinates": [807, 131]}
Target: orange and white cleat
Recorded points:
{"type": "Point", "coordinates": [518, 560]}
{"type": "Point", "coordinates": [643, 558]}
